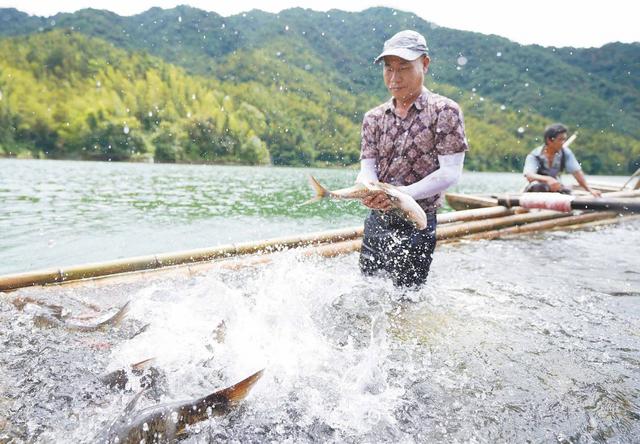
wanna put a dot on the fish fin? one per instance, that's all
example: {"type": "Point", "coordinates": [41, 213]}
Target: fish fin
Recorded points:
{"type": "Point", "coordinates": [239, 391]}
{"type": "Point", "coordinates": [131, 405]}
{"type": "Point", "coordinates": [321, 192]}
{"type": "Point", "coordinates": [142, 365]}
{"type": "Point", "coordinates": [116, 318]}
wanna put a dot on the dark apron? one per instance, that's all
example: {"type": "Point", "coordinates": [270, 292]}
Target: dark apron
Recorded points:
{"type": "Point", "coordinates": [541, 187]}
{"type": "Point", "coordinates": [392, 245]}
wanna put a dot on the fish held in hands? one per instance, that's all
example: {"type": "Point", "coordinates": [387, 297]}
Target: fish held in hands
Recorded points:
{"type": "Point", "coordinates": [402, 203]}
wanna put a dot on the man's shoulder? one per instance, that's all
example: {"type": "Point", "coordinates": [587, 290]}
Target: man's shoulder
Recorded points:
{"type": "Point", "coordinates": [440, 102]}
{"type": "Point", "coordinates": [567, 151]}
{"type": "Point", "coordinates": [536, 151]}
{"type": "Point", "coordinates": [377, 112]}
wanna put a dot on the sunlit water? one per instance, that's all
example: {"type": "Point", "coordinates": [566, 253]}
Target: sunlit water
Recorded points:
{"type": "Point", "coordinates": [533, 339]}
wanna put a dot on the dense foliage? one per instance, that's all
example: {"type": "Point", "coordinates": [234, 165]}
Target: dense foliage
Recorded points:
{"type": "Point", "coordinates": [184, 85]}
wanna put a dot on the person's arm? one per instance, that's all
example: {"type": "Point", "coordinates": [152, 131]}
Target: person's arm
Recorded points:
{"type": "Point", "coordinates": [368, 171]}
{"type": "Point", "coordinates": [583, 183]}
{"type": "Point", "coordinates": [447, 175]}
{"type": "Point", "coordinates": [368, 159]}
{"type": "Point", "coordinates": [554, 184]}
{"type": "Point", "coordinates": [573, 167]}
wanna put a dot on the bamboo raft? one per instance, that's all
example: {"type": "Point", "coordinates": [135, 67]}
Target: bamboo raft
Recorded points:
{"type": "Point", "coordinates": [460, 201]}
{"type": "Point", "coordinates": [487, 221]}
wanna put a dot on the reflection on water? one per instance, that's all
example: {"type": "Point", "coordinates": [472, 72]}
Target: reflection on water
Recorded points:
{"type": "Point", "coordinates": [532, 339]}
{"type": "Point", "coordinates": [61, 213]}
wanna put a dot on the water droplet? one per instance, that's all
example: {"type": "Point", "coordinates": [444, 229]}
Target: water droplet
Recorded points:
{"type": "Point", "coordinates": [520, 130]}
{"type": "Point", "coordinates": [125, 129]}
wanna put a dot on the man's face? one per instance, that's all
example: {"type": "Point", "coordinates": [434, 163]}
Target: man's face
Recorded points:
{"type": "Point", "coordinates": [404, 78]}
{"type": "Point", "coordinates": [557, 142]}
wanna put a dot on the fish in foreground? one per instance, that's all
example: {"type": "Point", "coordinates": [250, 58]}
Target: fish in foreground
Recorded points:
{"type": "Point", "coordinates": [48, 319]}
{"type": "Point", "coordinates": [402, 202]}
{"type": "Point", "coordinates": [166, 422]}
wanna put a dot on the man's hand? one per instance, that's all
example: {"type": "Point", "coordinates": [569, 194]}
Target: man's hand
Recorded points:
{"type": "Point", "coordinates": [595, 193]}
{"type": "Point", "coordinates": [378, 201]}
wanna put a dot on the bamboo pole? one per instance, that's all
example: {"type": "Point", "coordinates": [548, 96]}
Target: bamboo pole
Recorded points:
{"type": "Point", "coordinates": [474, 214]}
{"type": "Point", "coordinates": [455, 224]}
{"type": "Point", "coordinates": [57, 275]}
{"type": "Point", "coordinates": [443, 233]}
{"type": "Point", "coordinates": [597, 223]}
{"type": "Point", "coordinates": [455, 231]}
{"type": "Point", "coordinates": [567, 203]}
{"type": "Point", "coordinates": [141, 263]}
{"type": "Point", "coordinates": [636, 173]}
{"type": "Point", "coordinates": [543, 225]}
{"type": "Point", "coordinates": [459, 201]}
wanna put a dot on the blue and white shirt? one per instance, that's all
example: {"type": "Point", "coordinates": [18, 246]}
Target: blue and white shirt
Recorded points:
{"type": "Point", "coordinates": [531, 163]}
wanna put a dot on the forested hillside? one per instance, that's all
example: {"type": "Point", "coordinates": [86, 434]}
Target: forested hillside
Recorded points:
{"type": "Point", "coordinates": [184, 85]}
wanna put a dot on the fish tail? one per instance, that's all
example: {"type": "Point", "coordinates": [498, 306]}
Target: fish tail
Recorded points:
{"type": "Point", "coordinates": [142, 365]}
{"type": "Point", "coordinates": [239, 391]}
{"type": "Point", "coordinates": [321, 192]}
{"type": "Point", "coordinates": [116, 318]}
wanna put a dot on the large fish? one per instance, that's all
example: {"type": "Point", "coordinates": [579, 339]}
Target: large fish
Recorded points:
{"type": "Point", "coordinates": [165, 422]}
{"type": "Point", "coordinates": [402, 202]}
{"type": "Point", "coordinates": [49, 319]}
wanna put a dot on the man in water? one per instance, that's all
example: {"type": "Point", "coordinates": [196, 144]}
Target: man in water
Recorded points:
{"type": "Point", "coordinates": [416, 141]}
{"type": "Point", "coordinates": [543, 165]}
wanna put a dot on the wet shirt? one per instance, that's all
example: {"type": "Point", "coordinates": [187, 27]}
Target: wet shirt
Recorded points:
{"type": "Point", "coordinates": [406, 150]}
{"type": "Point", "coordinates": [531, 163]}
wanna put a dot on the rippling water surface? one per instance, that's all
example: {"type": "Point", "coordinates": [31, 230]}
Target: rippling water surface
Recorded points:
{"type": "Point", "coordinates": [61, 213]}
{"type": "Point", "coordinates": [531, 339]}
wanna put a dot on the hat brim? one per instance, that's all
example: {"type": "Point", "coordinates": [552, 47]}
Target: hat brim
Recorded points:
{"type": "Point", "coordinates": [403, 53]}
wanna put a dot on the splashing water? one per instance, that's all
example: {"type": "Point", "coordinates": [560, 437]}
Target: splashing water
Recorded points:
{"type": "Point", "coordinates": [509, 341]}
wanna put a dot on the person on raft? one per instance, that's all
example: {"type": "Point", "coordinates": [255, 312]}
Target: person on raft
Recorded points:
{"type": "Point", "coordinates": [543, 165]}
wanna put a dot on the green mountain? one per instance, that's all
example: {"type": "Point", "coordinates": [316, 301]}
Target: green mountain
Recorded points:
{"type": "Point", "coordinates": [308, 78]}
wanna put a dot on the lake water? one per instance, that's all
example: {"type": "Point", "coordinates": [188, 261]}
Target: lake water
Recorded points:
{"type": "Point", "coordinates": [61, 213]}
{"type": "Point", "coordinates": [530, 339]}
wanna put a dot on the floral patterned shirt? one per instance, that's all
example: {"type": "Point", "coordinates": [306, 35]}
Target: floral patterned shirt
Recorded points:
{"type": "Point", "coordinates": [406, 150]}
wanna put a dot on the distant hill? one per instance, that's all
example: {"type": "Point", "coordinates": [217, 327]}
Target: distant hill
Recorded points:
{"type": "Point", "coordinates": [310, 76]}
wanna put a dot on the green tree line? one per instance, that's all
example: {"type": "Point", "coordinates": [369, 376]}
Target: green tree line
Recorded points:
{"type": "Point", "coordinates": [66, 95]}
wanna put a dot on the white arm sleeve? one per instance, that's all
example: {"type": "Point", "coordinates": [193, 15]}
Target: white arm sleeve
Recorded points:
{"type": "Point", "coordinates": [367, 171]}
{"type": "Point", "coordinates": [448, 174]}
